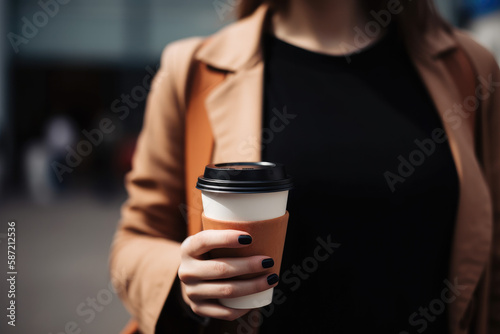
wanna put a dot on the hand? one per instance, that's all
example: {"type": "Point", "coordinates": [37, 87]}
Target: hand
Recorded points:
{"type": "Point", "coordinates": [205, 280]}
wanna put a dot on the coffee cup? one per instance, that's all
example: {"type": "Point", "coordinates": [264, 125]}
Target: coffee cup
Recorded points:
{"type": "Point", "coordinates": [251, 197]}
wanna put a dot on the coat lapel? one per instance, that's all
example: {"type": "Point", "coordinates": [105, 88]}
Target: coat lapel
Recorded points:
{"type": "Point", "coordinates": [235, 112]}
{"type": "Point", "coordinates": [235, 107]}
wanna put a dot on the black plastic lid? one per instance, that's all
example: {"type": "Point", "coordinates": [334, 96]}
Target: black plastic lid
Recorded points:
{"type": "Point", "coordinates": [245, 177]}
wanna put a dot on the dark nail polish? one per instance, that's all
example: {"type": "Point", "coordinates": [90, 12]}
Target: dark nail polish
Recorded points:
{"type": "Point", "coordinates": [245, 239]}
{"type": "Point", "coordinates": [273, 278]}
{"type": "Point", "coordinates": [267, 263]}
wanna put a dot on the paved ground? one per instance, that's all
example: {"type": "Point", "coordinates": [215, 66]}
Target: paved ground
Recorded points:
{"type": "Point", "coordinates": [62, 254]}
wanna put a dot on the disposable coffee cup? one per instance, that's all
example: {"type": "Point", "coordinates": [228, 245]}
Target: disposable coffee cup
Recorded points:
{"type": "Point", "coordinates": [251, 197]}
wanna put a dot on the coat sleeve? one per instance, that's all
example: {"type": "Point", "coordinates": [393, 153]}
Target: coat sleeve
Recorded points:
{"type": "Point", "coordinates": [145, 253]}
{"type": "Point", "coordinates": [488, 88]}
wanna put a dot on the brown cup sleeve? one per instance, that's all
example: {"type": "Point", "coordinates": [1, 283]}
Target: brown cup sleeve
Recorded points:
{"type": "Point", "coordinates": [268, 239]}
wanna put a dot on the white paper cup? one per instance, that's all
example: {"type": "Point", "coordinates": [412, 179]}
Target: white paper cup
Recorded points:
{"type": "Point", "coordinates": [244, 207]}
{"type": "Point", "coordinates": [237, 205]}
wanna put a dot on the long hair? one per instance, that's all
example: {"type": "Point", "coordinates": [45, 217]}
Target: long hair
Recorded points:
{"type": "Point", "coordinates": [417, 15]}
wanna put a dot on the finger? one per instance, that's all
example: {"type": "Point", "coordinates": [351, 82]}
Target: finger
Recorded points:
{"type": "Point", "coordinates": [221, 268]}
{"type": "Point", "coordinates": [230, 288]}
{"type": "Point", "coordinates": [214, 310]}
{"type": "Point", "coordinates": [204, 241]}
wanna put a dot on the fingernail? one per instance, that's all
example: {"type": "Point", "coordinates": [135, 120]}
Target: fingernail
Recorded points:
{"type": "Point", "coordinates": [273, 278]}
{"type": "Point", "coordinates": [267, 263]}
{"type": "Point", "coordinates": [245, 239]}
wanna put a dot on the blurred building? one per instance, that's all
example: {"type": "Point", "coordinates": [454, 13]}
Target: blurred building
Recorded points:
{"type": "Point", "coordinates": [74, 59]}
{"type": "Point", "coordinates": [482, 18]}
{"type": "Point", "coordinates": [88, 60]}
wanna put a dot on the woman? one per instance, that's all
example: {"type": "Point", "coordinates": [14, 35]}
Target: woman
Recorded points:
{"type": "Point", "coordinates": [405, 181]}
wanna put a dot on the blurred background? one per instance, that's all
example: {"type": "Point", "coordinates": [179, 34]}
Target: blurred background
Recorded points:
{"type": "Point", "coordinates": [74, 75]}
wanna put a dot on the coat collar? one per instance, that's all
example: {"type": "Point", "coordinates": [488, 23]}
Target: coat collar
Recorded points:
{"type": "Point", "coordinates": [238, 45]}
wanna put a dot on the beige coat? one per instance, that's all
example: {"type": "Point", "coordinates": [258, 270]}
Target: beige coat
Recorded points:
{"type": "Point", "coordinates": [145, 253]}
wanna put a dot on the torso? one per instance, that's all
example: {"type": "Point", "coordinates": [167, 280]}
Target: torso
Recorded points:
{"type": "Point", "coordinates": [348, 125]}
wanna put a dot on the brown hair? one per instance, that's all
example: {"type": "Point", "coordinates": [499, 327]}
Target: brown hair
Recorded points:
{"type": "Point", "coordinates": [419, 15]}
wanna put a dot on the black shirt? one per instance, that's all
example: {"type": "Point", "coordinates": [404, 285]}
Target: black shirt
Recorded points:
{"type": "Point", "coordinates": [373, 210]}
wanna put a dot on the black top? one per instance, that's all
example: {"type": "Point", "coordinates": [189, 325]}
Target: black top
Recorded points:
{"type": "Point", "coordinates": [369, 237]}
